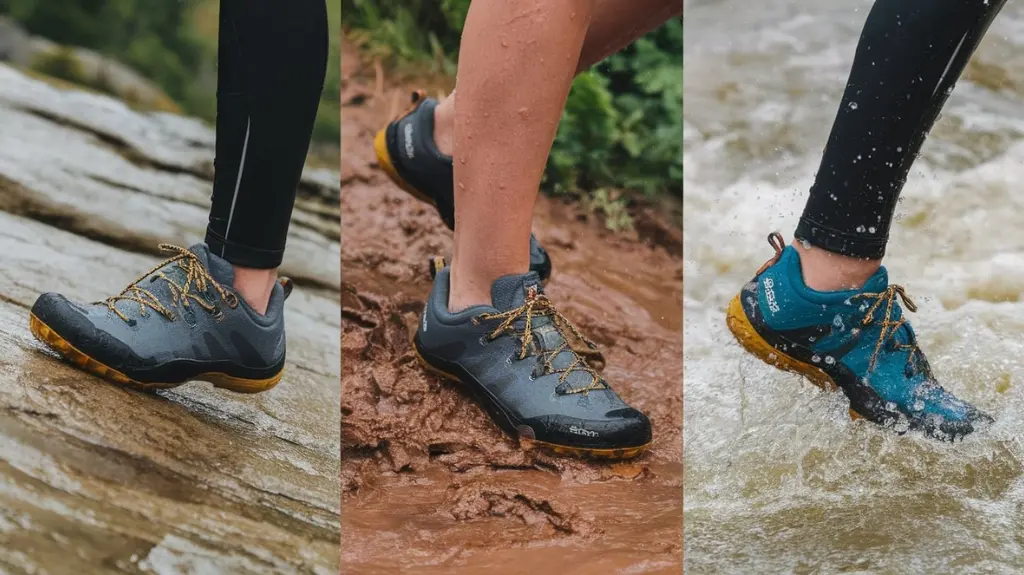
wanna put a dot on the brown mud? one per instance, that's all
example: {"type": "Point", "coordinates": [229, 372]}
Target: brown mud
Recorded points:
{"type": "Point", "coordinates": [428, 482]}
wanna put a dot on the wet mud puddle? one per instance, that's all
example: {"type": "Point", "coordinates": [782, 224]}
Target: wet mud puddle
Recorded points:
{"type": "Point", "coordinates": [429, 483]}
{"type": "Point", "coordinates": [98, 479]}
{"type": "Point", "coordinates": [778, 479]}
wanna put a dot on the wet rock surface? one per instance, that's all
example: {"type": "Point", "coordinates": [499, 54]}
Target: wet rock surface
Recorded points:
{"type": "Point", "coordinates": [428, 480]}
{"type": "Point", "coordinates": [95, 478]}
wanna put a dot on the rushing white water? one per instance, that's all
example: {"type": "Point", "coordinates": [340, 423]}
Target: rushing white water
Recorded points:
{"type": "Point", "coordinates": [778, 478]}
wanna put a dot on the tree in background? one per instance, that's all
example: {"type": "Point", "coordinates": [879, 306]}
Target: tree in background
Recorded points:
{"type": "Point", "coordinates": [171, 42]}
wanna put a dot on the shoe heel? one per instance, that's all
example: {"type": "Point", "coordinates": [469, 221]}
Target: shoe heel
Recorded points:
{"type": "Point", "coordinates": [748, 337]}
{"type": "Point", "coordinates": [433, 370]}
{"type": "Point", "coordinates": [380, 146]}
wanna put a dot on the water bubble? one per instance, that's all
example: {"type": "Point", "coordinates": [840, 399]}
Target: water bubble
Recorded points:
{"type": "Point", "coordinates": [815, 358]}
{"type": "Point", "coordinates": [861, 229]}
{"type": "Point", "coordinates": [871, 230]}
{"type": "Point", "coordinates": [853, 105]}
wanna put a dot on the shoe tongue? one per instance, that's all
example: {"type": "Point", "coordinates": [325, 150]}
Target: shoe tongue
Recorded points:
{"type": "Point", "coordinates": [509, 292]}
{"type": "Point", "coordinates": [878, 282]}
{"type": "Point", "coordinates": [219, 268]}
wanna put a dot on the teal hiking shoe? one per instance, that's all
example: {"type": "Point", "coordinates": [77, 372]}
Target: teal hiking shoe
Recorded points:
{"type": "Point", "coordinates": [858, 341]}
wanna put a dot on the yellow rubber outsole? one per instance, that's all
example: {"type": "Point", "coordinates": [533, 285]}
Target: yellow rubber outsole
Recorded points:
{"type": "Point", "coordinates": [748, 337]}
{"type": "Point", "coordinates": [380, 146]}
{"type": "Point", "coordinates": [528, 444]}
{"type": "Point", "coordinates": [54, 341]}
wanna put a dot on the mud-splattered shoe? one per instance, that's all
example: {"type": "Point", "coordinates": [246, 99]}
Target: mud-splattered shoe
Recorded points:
{"type": "Point", "coordinates": [857, 340]}
{"type": "Point", "coordinates": [407, 153]}
{"type": "Point", "coordinates": [181, 321]}
{"type": "Point", "coordinates": [518, 358]}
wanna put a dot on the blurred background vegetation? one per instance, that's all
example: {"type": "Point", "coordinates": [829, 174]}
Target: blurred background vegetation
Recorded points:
{"type": "Point", "coordinates": [171, 42]}
{"type": "Point", "coordinates": [621, 132]}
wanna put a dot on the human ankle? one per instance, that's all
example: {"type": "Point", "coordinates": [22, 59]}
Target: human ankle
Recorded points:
{"type": "Point", "coordinates": [464, 292]}
{"type": "Point", "coordinates": [826, 271]}
{"type": "Point", "coordinates": [444, 125]}
{"type": "Point", "coordinates": [255, 286]}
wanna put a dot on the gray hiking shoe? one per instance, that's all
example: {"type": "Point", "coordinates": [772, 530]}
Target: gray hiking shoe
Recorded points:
{"type": "Point", "coordinates": [179, 322]}
{"type": "Point", "coordinates": [519, 360]}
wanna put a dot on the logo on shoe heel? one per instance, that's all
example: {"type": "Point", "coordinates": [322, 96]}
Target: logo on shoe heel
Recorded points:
{"type": "Point", "coordinates": [769, 294]}
{"type": "Point", "coordinates": [580, 431]}
{"type": "Point", "coordinates": [409, 151]}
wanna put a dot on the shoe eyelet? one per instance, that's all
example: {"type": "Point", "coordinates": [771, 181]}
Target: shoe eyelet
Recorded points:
{"type": "Point", "coordinates": [484, 340]}
{"type": "Point", "coordinates": [232, 300]}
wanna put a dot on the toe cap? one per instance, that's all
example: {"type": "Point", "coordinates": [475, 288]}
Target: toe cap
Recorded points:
{"type": "Point", "coordinates": [617, 429]}
{"type": "Point", "coordinates": [69, 321]}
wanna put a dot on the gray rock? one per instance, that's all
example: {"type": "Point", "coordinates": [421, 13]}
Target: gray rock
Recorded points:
{"type": "Point", "coordinates": [190, 480]}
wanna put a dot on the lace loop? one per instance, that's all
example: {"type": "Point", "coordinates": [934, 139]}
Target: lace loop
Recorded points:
{"type": "Point", "coordinates": [538, 305]}
{"type": "Point", "coordinates": [889, 326]}
{"type": "Point", "coordinates": [196, 276]}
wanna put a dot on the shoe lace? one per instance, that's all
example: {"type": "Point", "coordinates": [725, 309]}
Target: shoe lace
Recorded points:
{"type": "Point", "coordinates": [196, 276]}
{"type": "Point", "coordinates": [890, 327]}
{"type": "Point", "coordinates": [538, 305]}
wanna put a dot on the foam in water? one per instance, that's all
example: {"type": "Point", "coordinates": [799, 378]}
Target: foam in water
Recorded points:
{"type": "Point", "coordinates": [779, 479]}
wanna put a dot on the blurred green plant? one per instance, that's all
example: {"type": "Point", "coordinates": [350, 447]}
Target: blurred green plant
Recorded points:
{"type": "Point", "coordinates": [173, 43]}
{"type": "Point", "coordinates": [622, 124]}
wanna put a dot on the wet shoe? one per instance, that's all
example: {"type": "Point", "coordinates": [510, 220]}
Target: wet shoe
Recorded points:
{"type": "Point", "coordinates": [858, 341]}
{"type": "Point", "coordinates": [407, 153]}
{"type": "Point", "coordinates": [518, 359]}
{"type": "Point", "coordinates": [181, 321]}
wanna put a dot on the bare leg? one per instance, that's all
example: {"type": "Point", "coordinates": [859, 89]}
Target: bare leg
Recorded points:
{"type": "Point", "coordinates": [517, 63]}
{"type": "Point", "coordinates": [614, 25]}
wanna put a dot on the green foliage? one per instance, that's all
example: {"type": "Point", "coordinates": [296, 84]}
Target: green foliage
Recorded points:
{"type": "Point", "coordinates": [156, 39]}
{"type": "Point", "coordinates": [622, 124]}
{"type": "Point", "coordinates": [165, 41]}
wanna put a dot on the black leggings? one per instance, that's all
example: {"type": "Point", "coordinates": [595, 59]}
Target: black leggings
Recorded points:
{"type": "Point", "coordinates": [272, 62]}
{"type": "Point", "coordinates": [910, 55]}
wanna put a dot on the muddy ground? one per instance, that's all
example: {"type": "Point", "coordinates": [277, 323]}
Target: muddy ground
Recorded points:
{"type": "Point", "coordinates": [95, 478]}
{"type": "Point", "coordinates": [428, 481]}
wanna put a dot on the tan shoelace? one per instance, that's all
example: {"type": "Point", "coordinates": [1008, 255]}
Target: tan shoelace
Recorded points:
{"type": "Point", "coordinates": [889, 327]}
{"type": "Point", "coordinates": [196, 276]}
{"type": "Point", "coordinates": [538, 305]}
